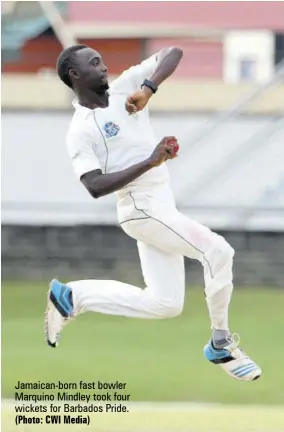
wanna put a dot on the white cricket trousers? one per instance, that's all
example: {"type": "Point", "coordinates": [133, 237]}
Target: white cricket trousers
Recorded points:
{"type": "Point", "coordinates": [164, 237]}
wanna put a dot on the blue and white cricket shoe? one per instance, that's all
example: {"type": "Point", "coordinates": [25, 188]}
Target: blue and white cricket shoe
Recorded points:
{"type": "Point", "coordinates": [233, 360]}
{"type": "Point", "coordinates": [59, 311]}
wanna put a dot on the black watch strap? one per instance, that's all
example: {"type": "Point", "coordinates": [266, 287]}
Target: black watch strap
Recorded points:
{"type": "Point", "coordinates": [150, 84]}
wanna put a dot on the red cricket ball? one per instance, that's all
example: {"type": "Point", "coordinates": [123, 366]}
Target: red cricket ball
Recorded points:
{"type": "Point", "coordinates": [174, 144]}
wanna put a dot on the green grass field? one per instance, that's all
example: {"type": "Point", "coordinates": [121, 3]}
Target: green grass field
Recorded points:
{"type": "Point", "coordinates": [159, 360]}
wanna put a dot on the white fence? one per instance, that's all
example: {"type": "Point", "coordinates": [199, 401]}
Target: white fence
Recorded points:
{"type": "Point", "coordinates": [234, 178]}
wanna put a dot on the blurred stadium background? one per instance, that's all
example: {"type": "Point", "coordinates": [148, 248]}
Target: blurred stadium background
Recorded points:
{"type": "Point", "coordinates": [225, 103]}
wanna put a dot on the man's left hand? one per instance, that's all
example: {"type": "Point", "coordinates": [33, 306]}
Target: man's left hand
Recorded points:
{"type": "Point", "coordinates": [138, 100]}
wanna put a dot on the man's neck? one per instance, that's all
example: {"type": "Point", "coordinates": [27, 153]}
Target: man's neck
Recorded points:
{"type": "Point", "coordinates": [92, 100]}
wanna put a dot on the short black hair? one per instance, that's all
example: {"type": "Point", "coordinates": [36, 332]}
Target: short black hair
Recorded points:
{"type": "Point", "coordinates": [67, 61]}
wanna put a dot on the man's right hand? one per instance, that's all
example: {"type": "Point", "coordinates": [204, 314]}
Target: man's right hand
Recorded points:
{"type": "Point", "coordinates": [166, 149]}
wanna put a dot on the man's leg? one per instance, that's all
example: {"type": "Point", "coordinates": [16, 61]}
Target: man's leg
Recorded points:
{"type": "Point", "coordinates": [174, 232]}
{"type": "Point", "coordinates": [181, 235]}
{"type": "Point", "coordinates": [163, 296]}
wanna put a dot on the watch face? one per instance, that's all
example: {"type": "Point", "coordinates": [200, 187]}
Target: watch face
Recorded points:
{"type": "Point", "coordinates": [151, 85]}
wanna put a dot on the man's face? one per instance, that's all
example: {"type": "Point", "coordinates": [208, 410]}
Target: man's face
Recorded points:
{"type": "Point", "coordinates": [90, 70]}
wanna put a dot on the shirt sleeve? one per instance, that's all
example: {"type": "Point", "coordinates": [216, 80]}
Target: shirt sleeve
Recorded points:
{"type": "Point", "coordinates": [80, 148]}
{"type": "Point", "coordinates": [132, 78]}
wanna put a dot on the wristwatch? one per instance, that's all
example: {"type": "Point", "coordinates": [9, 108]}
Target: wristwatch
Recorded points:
{"type": "Point", "coordinates": [150, 84]}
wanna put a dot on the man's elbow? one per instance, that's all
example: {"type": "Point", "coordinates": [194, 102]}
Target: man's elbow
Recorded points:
{"type": "Point", "coordinates": [93, 185]}
{"type": "Point", "coordinates": [93, 189]}
{"type": "Point", "coordinates": [170, 51]}
{"type": "Point", "coordinates": [95, 193]}
{"type": "Point", "coordinates": [178, 51]}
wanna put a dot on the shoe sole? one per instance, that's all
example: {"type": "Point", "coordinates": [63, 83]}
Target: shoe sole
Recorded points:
{"type": "Point", "coordinates": [50, 303]}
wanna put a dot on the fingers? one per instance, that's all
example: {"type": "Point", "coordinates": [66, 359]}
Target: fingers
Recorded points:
{"type": "Point", "coordinates": [171, 147]}
{"type": "Point", "coordinates": [131, 108]}
{"type": "Point", "coordinates": [168, 139]}
{"type": "Point", "coordinates": [136, 102]}
{"type": "Point", "coordinates": [171, 153]}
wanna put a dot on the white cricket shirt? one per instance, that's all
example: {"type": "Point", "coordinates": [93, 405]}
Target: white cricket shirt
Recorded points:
{"type": "Point", "coordinates": [110, 139]}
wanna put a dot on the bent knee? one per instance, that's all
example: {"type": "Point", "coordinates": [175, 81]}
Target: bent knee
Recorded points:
{"type": "Point", "coordinates": [226, 251]}
{"type": "Point", "coordinates": [170, 310]}
{"type": "Point", "coordinates": [221, 255]}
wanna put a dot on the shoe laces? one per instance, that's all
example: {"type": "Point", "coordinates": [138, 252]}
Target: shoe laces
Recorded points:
{"type": "Point", "coordinates": [234, 339]}
{"type": "Point", "coordinates": [234, 347]}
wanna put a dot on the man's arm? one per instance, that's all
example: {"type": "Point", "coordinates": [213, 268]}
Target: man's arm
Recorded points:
{"type": "Point", "coordinates": [167, 61]}
{"type": "Point", "coordinates": [99, 184]}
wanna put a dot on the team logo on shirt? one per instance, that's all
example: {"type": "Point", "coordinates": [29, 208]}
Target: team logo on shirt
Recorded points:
{"type": "Point", "coordinates": [111, 129]}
